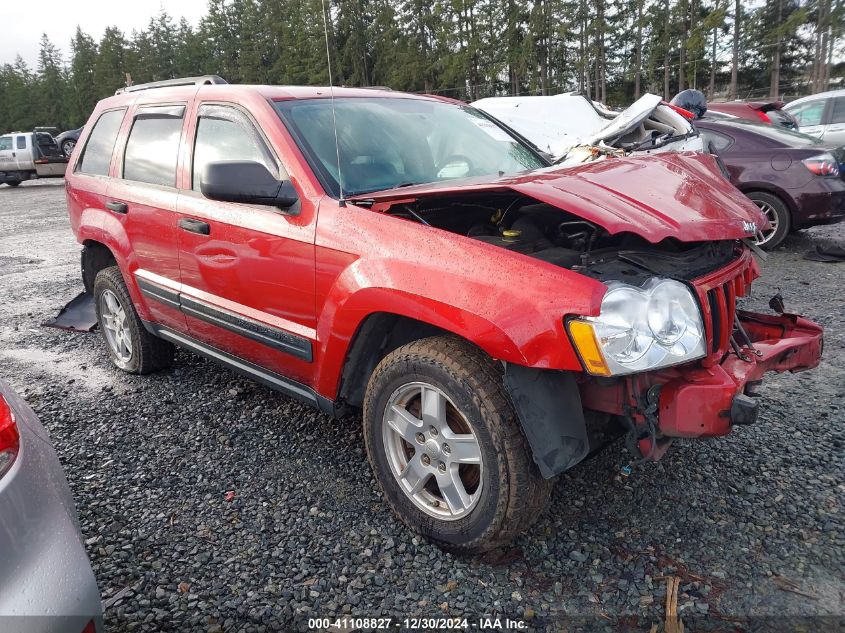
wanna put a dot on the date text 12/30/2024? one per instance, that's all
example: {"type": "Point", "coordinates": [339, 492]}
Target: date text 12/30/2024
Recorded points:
{"type": "Point", "coordinates": [347, 623]}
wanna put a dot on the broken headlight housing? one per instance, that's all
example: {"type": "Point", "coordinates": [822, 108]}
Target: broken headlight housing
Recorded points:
{"type": "Point", "coordinates": [640, 329]}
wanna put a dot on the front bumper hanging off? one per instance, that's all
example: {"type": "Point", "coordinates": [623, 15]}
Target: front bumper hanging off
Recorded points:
{"type": "Point", "coordinates": [709, 399]}
{"type": "Point", "coordinates": [706, 402]}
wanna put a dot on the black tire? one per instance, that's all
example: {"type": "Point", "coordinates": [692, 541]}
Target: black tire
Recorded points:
{"type": "Point", "coordinates": [512, 492]}
{"type": "Point", "coordinates": [149, 353]}
{"type": "Point", "coordinates": [774, 205]}
{"type": "Point", "coordinates": [14, 183]}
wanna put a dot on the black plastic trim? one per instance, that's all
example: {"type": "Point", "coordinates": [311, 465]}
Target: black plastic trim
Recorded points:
{"type": "Point", "coordinates": [549, 408]}
{"type": "Point", "coordinates": [158, 293]}
{"type": "Point", "coordinates": [249, 328]}
{"type": "Point", "coordinates": [276, 338]}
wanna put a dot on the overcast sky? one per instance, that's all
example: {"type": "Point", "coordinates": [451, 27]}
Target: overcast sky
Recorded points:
{"type": "Point", "coordinates": [25, 21]}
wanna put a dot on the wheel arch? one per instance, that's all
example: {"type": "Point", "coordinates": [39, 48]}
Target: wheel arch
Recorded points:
{"type": "Point", "coordinates": [95, 257]}
{"type": "Point", "coordinates": [772, 190]}
{"type": "Point", "coordinates": [377, 335]}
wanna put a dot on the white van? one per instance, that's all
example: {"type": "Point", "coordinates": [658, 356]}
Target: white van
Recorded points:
{"type": "Point", "coordinates": [29, 155]}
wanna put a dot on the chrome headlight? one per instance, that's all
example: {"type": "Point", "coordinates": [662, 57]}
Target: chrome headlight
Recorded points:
{"type": "Point", "coordinates": [640, 329]}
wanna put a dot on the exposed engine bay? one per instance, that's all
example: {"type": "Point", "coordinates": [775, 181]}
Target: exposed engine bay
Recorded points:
{"type": "Point", "coordinates": [545, 232]}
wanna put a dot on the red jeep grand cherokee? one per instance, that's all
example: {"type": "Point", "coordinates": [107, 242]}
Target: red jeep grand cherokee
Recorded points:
{"type": "Point", "coordinates": [493, 315]}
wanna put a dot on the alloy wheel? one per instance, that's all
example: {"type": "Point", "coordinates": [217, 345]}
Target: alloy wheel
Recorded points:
{"type": "Point", "coordinates": [68, 146]}
{"type": "Point", "coordinates": [762, 237]}
{"type": "Point", "coordinates": [432, 451]}
{"type": "Point", "coordinates": [115, 326]}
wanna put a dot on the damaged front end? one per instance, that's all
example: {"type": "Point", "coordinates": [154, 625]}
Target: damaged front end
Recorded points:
{"type": "Point", "coordinates": [708, 397]}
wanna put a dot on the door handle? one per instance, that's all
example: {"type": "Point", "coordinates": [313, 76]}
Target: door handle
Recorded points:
{"type": "Point", "coordinates": [195, 226]}
{"type": "Point", "coordinates": [117, 207]}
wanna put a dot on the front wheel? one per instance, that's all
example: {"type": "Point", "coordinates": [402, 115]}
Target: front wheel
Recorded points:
{"type": "Point", "coordinates": [13, 183]}
{"type": "Point", "coordinates": [778, 216]}
{"type": "Point", "coordinates": [446, 447]}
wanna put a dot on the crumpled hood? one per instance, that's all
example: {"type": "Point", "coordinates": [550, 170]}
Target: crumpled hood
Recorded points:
{"type": "Point", "coordinates": [678, 195]}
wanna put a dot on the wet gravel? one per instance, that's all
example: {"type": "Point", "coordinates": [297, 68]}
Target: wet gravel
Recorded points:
{"type": "Point", "coordinates": [210, 503]}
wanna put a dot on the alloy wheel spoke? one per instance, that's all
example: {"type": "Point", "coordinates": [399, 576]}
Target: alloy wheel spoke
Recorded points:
{"type": "Point", "coordinates": [405, 424]}
{"type": "Point", "coordinates": [111, 303]}
{"type": "Point", "coordinates": [463, 448]}
{"type": "Point", "coordinates": [433, 408]}
{"type": "Point", "coordinates": [414, 476]}
{"type": "Point", "coordinates": [453, 491]}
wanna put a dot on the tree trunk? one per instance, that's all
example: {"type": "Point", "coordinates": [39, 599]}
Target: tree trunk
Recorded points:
{"type": "Point", "coordinates": [638, 70]}
{"type": "Point", "coordinates": [735, 56]}
{"type": "Point", "coordinates": [667, 52]}
{"type": "Point", "coordinates": [712, 91]}
{"type": "Point", "coordinates": [682, 60]}
{"type": "Point", "coordinates": [774, 85]}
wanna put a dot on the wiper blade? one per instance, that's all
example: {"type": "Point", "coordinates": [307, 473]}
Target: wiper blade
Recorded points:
{"type": "Point", "coordinates": [364, 192]}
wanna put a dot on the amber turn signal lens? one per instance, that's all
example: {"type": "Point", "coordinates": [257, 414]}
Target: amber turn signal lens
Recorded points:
{"type": "Point", "coordinates": [588, 348]}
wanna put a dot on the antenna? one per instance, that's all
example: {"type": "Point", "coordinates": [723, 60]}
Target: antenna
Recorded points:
{"type": "Point", "coordinates": [341, 202]}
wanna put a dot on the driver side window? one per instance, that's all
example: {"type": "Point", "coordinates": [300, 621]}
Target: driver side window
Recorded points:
{"type": "Point", "coordinates": [224, 133]}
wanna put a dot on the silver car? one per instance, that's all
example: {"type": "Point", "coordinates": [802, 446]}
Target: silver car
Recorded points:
{"type": "Point", "coordinates": [821, 115]}
{"type": "Point", "coordinates": [46, 582]}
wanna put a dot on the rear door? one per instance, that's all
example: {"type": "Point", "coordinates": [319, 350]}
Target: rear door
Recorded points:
{"type": "Point", "coordinates": [247, 270]}
{"type": "Point", "coordinates": [24, 151]}
{"type": "Point", "coordinates": [834, 133]}
{"type": "Point", "coordinates": [142, 200]}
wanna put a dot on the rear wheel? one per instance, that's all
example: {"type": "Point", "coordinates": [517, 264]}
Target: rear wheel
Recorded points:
{"type": "Point", "coordinates": [446, 447]}
{"type": "Point", "coordinates": [67, 146]}
{"type": "Point", "coordinates": [131, 347]}
{"type": "Point", "coordinates": [14, 183]}
{"type": "Point", "coordinates": [778, 216]}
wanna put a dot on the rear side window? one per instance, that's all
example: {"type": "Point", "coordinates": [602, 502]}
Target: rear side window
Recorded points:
{"type": "Point", "coordinates": [5, 142]}
{"type": "Point", "coordinates": [838, 115]}
{"type": "Point", "coordinates": [809, 113]}
{"type": "Point", "coordinates": [719, 141]}
{"type": "Point", "coordinates": [224, 133]}
{"type": "Point", "coordinates": [21, 141]}
{"type": "Point", "coordinates": [96, 156]}
{"type": "Point", "coordinates": [153, 146]}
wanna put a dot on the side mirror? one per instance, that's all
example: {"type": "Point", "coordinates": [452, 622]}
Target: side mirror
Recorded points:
{"type": "Point", "coordinates": [247, 182]}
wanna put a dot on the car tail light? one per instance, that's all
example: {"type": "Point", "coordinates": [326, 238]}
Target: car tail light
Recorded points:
{"type": "Point", "coordinates": [763, 116]}
{"type": "Point", "coordinates": [90, 627]}
{"type": "Point", "coordinates": [9, 438]}
{"type": "Point", "coordinates": [824, 165]}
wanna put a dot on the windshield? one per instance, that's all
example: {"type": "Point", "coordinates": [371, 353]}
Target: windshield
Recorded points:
{"type": "Point", "coordinates": [393, 142]}
{"type": "Point", "coordinates": [776, 133]}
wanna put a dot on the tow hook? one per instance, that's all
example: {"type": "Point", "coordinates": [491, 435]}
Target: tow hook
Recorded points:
{"type": "Point", "coordinates": [642, 440]}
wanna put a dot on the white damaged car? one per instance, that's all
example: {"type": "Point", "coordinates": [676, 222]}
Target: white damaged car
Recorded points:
{"type": "Point", "coordinates": [573, 129]}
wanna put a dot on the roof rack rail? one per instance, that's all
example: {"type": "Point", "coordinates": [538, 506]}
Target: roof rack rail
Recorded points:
{"type": "Point", "coordinates": [205, 80]}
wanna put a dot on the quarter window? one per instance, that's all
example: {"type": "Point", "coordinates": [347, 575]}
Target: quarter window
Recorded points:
{"type": "Point", "coordinates": [96, 156]}
{"type": "Point", "coordinates": [21, 142]}
{"type": "Point", "coordinates": [153, 146]}
{"type": "Point", "coordinates": [225, 134]}
{"type": "Point", "coordinates": [719, 141]}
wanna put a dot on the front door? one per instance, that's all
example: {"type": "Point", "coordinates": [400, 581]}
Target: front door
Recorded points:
{"type": "Point", "coordinates": [247, 271]}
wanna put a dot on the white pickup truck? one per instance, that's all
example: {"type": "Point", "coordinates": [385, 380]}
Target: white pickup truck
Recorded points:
{"type": "Point", "coordinates": [29, 155]}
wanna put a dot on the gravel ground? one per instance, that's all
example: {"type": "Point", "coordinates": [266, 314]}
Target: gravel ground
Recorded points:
{"type": "Point", "coordinates": [210, 503]}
